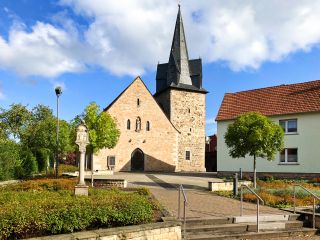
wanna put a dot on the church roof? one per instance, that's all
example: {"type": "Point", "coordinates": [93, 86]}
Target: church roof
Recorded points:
{"type": "Point", "coordinates": [180, 72]}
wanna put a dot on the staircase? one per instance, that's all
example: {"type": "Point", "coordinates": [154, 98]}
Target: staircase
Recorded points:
{"type": "Point", "coordinates": [244, 227]}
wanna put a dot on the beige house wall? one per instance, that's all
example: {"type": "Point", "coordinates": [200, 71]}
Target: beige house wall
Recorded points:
{"type": "Point", "coordinates": [307, 140]}
{"type": "Point", "coordinates": [159, 145]}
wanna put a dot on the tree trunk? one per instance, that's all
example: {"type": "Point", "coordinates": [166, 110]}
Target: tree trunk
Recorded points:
{"type": "Point", "coordinates": [254, 172]}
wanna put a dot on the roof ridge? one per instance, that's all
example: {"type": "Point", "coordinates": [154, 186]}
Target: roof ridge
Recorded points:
{"type": "Point", "coordinates": [275, 100]}
{"type": "Point", "coordinates": [277, 86]}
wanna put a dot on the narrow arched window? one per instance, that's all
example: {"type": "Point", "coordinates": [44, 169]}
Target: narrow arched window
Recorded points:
{"type": "Point", "coordinates": [148, 126]}
{"type": "Point", "coordinates": [138, 102]}
{"type": "Point", "coordinates": [138, 124]}
{"type": "Point", "coordinates": [128, 124]}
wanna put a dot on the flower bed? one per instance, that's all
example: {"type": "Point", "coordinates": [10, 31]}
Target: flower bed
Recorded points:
{"type": "Point", "coordinates": [279, 193]}
{"type": "Point", "coordinates": [47, 206]}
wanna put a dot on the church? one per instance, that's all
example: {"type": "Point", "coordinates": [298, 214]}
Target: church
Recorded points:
{"type": "Point", "coordinates": [164, 131]}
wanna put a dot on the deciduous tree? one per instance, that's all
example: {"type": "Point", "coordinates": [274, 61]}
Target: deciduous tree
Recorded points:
{"type": "Point", "coordinates": [103, 131]}
{"type": "Point", "coordinates": [255, 135]}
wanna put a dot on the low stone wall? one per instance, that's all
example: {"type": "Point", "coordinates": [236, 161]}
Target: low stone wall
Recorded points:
{"type": "Point", "coordinates": [154, 231]}
{"type": "Point", "coordinates": [109, 183]}
{"type": "Point", "coordinates": [225, 186]}
{"type": "Point", "coordinates": [5, 183]}
{"type": "Point", "coordinates": [280, 175]}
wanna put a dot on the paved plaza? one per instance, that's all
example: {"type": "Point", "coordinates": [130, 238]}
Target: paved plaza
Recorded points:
{"type": "Point", "coordinates": [201, 202]}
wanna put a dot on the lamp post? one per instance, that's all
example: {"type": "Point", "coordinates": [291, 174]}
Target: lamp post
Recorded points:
{"type": "Point", "coordinates": [58, 91]}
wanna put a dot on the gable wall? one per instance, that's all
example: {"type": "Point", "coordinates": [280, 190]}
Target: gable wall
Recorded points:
{"type": "Point", "coordinates": [159, 144]}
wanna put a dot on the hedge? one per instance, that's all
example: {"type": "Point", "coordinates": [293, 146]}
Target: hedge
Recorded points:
{"type": "Point", "coordinates": [33, 211]}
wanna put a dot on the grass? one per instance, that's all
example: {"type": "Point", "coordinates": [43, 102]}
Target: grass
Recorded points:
{"type": "Point", "coordinates": [279, 193]}
{"type": "Point", "coordinates": [47, 206]}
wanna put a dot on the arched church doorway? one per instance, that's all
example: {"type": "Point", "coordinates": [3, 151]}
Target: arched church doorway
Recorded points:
{"type": "Point", "coordinates": [137, 160]}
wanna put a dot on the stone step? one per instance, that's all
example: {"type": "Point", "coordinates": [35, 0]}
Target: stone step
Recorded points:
{"type": "Point", "coordinates": [264, 218]}
{"type": "Point", "coordinates": [243, 227]}
{"type": "Point", "coordinates": [236, 219]}
{"type": "Point", "coordinates": [209, 221]}
{"type": "Point", "coordinates": [305, 232]}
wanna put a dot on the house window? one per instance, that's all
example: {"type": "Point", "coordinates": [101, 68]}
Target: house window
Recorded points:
{"type": "Point", "coordinates": [138, 102]}
{"type": "Point", "coordinates": [148, 126]}
{"type": "Point", "coordinates": [128, 124]}
{"type": "Point", "coordinates": [289, 126]}
{"type": "Point", "coordinates": [187, 155]}
{"type": "Point", "coordinates": [111, 162]}
{"type": "Point", "coordinates": [138, 124]}
{"type": "Point", "coordinates": [289, 155]}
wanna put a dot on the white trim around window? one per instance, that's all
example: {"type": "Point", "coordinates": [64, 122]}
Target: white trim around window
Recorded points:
{"type": "Point", "coordinates": [289, 156]}
{"type": "Point", "coordinates": [289, 126]}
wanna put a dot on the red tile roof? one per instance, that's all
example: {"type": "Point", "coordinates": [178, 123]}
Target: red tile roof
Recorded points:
{"type": "Point", "coordinates": [270, 101]}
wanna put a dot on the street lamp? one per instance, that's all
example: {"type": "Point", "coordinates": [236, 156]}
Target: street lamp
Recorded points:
{"type": "Point", "coordinates": [58, 91]}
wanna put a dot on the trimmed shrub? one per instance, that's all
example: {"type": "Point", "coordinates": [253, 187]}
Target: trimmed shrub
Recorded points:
{"type": "Point", "coordinates": [27, 165]}
{"type": "Point", "coordinates": [42, 157]}
{"type": "Point", "coordinates": [33, 208]}
{"type": "Point", "coordinates": [9, 157]}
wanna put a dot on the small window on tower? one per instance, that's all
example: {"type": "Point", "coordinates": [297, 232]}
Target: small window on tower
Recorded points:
{"type": "Point", "coordinates": [128, 124]}
{"type": "Point", "coordinates": [187, 155]}
{"type": "Point", "coordinates": [189, 110]}
{"type": "Point", "coordinates": [148, 126]}
{"type": "Point", "coordinates": [138, 102]}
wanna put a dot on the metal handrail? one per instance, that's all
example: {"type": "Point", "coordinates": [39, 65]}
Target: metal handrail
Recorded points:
{"type": "Point", "coordinates": [185, 202]}
{"type": "Point", "coordinates": [258, 201]}
{"type": "Point", "coordinates": [314, 202]}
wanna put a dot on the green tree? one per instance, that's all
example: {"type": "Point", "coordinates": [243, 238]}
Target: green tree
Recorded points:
{"type": "Point", "coordinates": [255, 135]}
{"type": "Point", "coordinates": [14, 121]}
{"type": "Point", "coordinates": [35, 131]}
{"type": "Point", "coordinates": [27, 164]}
{"type": "Point", "coordinates": [9, 157]}
{"type": "Point", "coordinates": [103, 131]}
{"type": "Point", "coordinates": [41, 136]}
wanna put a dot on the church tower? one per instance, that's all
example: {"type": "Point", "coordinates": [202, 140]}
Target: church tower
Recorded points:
{"type": "Point", "coordinates": [180, 94]}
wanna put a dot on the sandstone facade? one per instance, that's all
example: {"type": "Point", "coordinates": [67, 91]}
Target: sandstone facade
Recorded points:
{"type": "Point", "coordinates": [186, 111]}
{"type": "Point", "coordinates": [159, 145]}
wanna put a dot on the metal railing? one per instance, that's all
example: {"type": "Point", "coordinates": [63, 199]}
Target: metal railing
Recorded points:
{"type": "Point", "coordinates": [185, 202]}
{"type": "Point", "coordinates": [258, 201]}
{"type": "Point", "coordinates": [314, 202]}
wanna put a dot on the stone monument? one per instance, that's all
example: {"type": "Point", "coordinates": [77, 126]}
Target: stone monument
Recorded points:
{"type": "Point", "coordinates": [82, 141]}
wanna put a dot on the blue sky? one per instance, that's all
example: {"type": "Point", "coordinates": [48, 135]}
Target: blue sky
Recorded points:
{"type": "Point", "coordinates": [94, 49]}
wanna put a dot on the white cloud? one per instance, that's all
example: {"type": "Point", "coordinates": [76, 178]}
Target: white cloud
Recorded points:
{"type": "Point", "coordinates": [45, 51]}
{"type": "Point", "coordinates": [131, 36]}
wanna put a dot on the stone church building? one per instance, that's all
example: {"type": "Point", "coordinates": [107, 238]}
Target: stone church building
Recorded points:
{"type": "Point", "coordinates": [164, 131]}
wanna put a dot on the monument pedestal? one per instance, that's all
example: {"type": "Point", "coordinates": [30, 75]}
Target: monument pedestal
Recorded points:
{"type": "Point", "coordinates": [81, 190]}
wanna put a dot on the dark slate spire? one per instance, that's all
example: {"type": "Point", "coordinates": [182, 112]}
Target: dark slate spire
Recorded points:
{"type": "Point", "coordinates": [180, 72]}
{"type": "Point", "coordinates": [178, 65]}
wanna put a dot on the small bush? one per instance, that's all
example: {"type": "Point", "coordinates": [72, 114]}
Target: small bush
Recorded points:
{"type": "Point", "coordinates": [67, 168]}
{"type": "Point", "coordinates": [228, 194]}
{"type": "Point", "coordinates": [42, 157]}
{"type": "Point", "coordinates": [27, 165]}
{"type": "Point", "coordinates": [143, 191]}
